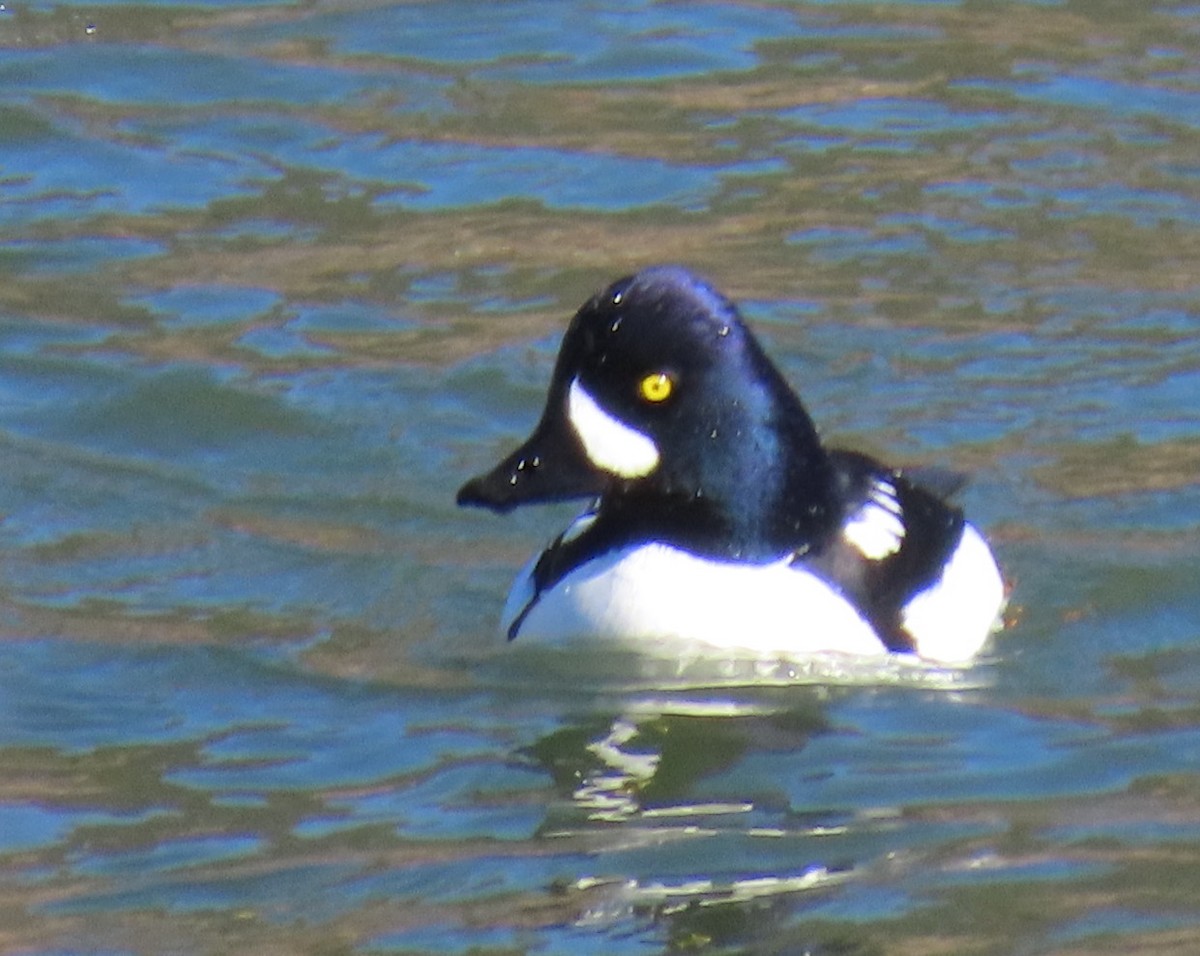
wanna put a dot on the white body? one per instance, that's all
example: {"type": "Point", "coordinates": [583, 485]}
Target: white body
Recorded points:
{"type": "Point", "coordinates": [653, 597]}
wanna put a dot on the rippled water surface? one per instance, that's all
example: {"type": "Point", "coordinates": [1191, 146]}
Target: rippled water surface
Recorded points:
{"type": "Point", "coordinates": [275, 279]}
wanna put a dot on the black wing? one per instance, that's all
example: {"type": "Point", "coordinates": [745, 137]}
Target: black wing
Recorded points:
{"type": "Point", "coordinates": [894, 539]}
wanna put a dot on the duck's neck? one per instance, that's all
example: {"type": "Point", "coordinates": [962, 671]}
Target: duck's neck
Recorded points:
{"type": "Point", "coordinates": [772, 474]}
{"type": "Point", "coordinates": [757, 489]}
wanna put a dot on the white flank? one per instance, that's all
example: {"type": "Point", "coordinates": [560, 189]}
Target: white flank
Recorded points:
{"type": "Point", "coordinates": [877, 528]}
{"type": "Point", "coordinates": [655, 597]}
{"type": "Point", "coordinates": [610, 444]}
{"type": "Point", "coordinates": [952, 618]}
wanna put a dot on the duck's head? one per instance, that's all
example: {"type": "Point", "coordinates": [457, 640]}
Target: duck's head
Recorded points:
{"type": "Point", "coordinates": [659, 389]}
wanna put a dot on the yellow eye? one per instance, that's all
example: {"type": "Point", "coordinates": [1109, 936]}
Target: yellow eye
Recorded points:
{"type": "Point", "coordinates": [656, 387]}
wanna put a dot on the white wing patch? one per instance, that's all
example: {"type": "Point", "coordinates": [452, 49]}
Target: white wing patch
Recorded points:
{"type": "Point", "coordinates": [610, 444]}
{"type": "Point", "coordinates": [877, 528]}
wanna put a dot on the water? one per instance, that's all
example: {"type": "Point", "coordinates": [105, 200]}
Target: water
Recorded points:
{"type": "Point", "coordinates": [276, 279]}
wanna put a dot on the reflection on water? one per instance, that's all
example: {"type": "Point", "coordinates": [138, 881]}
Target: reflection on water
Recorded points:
{"type": "Point", "coordinates": [274, 279]}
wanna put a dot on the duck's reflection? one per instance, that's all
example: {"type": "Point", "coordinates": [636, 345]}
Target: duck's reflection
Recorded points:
{"type": "Point", "coordinates": [645, 761]}
{"type": "Point", "coordinates": [693, 804]}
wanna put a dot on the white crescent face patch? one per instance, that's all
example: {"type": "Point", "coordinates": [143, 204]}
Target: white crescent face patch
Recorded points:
{"type": "Point", "coordinates": [610, 444]}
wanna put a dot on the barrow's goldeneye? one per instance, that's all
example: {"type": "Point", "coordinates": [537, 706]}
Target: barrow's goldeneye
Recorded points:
{"type": "Point", "coordinates": [719, 519]}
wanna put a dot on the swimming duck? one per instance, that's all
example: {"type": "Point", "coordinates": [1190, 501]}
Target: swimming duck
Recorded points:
{"type": "Point", "coordinates": [718, 519]}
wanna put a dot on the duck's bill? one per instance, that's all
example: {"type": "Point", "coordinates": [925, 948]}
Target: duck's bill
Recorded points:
{"type": "Point", "coordinates": [550, 466]}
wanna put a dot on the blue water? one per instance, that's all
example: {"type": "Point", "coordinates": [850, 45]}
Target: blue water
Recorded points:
{"type": "Point", "coordinates": [275, 279]}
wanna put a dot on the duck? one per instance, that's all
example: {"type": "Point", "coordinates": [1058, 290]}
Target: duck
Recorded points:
{"type": "Point", "coordinates": [716, 519]}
